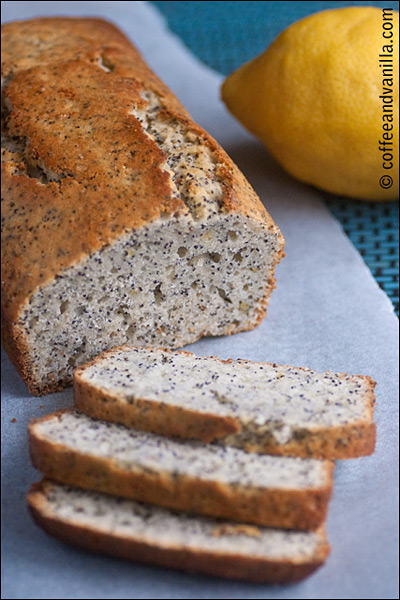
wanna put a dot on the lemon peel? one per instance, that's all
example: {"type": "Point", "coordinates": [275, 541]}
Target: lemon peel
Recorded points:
{"type": "Point", "coordinates": [324, 100]}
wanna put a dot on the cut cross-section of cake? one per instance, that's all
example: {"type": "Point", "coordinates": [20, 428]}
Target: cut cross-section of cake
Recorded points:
{"type": "Point", "coordinates": [276, 491]}
{"type": "Point", "coordinates": [151, 534]}
{"type": "Point", "coordinates": [260, 407]}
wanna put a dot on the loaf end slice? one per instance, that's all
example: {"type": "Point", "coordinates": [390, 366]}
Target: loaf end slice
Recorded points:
{"type": "Point", "coordinates": [291, 493]}
{"type": "Point", "coordinates": [148, 534]}
{"type": "Point", "coordinates": [260, 407]}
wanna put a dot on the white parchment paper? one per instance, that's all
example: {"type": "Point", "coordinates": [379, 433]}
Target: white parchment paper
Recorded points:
{"type": "Point", "coordinates": [326, 313]}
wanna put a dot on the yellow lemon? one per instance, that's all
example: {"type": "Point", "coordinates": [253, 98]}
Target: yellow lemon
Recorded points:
{"type": "Point", "coordinates": [324, 99]}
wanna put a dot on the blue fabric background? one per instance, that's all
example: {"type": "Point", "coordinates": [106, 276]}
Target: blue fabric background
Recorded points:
{"type": "Point", "coordinates": [224, 35]}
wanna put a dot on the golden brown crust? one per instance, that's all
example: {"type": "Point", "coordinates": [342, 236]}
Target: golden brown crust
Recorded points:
{"type": "Point", "coordinates": [15, 344]}
{"type": "Point", "coordinates": [303, 509]}
{"type": "Point", "coordinates": [69, 112]}
{"type": "Point", "coordinates": [89, 113]}
{"type": "Point", "coordinates": [218, 564]}
{"type": "Point", "coordinates": [156, 417]}
{"type": "Point", "coordinates": [12, 340]}
{"type": "Point", "coordinates": [332, 443]}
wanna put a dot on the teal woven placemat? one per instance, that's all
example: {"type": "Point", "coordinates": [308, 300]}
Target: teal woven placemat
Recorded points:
{"type": "Point", "coordinates": [224, 35]}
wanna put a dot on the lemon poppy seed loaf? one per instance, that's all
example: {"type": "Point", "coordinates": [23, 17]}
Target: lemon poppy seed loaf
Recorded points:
{"type": "Point", "coordinates": [123, 220]}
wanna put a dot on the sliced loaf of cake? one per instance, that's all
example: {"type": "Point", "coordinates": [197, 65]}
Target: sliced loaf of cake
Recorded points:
{"type": "Point", "coordinates": [150, 534]}
{"type": "Point", "coordinates": [260, 407]}
{"type": "Point", "coordinates": [156, 236]}
{"type": "Point", "coordinates": [73, 448]}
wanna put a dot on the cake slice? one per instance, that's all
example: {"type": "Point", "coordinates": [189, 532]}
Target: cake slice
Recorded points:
{"type": "Point", "coordinates": [150, 534]}
{"type": "Point", "coordinates": [73, 448]}
{"type": "Point", "coordinates": [260, 407]}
